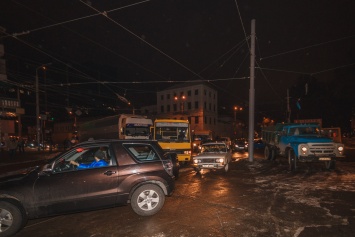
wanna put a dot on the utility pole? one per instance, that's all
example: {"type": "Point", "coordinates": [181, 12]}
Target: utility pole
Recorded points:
{"type": "Point", "coordinates": [38, 128]}
{"type": "Point", "coordinates": [19, 115]}
{"type": "Point", "coordinates": [252, 92]}
{"type": "Point", "coordinates": [288, 106]}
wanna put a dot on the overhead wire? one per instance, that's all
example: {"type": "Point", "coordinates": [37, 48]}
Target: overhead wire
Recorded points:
{"type": "Point", "coordinates": [104, 13]}
{"type": "Point", "coordinates": [92, 41]}
{"type": "Point", "coordinates": [307, 47]}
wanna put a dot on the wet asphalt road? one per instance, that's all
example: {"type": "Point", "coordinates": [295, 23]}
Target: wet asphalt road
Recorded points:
{"type": "Point", "coordinates": [260, 198]}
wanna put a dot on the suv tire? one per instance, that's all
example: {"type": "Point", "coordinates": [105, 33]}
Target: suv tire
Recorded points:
{"type": "Point", "coordinates": [11, 219]}
{"type": "Point", "coordinates": [147, 200]}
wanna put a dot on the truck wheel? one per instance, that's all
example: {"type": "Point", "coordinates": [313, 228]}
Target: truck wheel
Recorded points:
{"type": "Point", "coordinates": [272, 154]}
{"type": "Point", "coordinates": [147, 200]}
{"type": "Point", "coordinates": [330, 165]}
{"type": "Point", "coordinates": [269, 153]}
{"type": "Point", "coordinates": [291, 160]}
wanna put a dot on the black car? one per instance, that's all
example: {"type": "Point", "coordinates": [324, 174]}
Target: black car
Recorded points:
{"type": "Point", "coordinates": [240, 145]}
{"type": "Point", "coordinates": [128, 171]}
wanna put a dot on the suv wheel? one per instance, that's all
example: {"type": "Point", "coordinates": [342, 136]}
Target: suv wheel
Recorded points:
{"type": "Point", "coordinates": [11, 219]}
{"type": "Point", "coordinates": [147, 200]}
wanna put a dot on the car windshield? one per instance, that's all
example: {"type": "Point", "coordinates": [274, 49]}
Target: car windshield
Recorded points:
{"type": "Point", "coordinates": [214, 148]}
{"type": "Point", "coordinates": [240, 142]}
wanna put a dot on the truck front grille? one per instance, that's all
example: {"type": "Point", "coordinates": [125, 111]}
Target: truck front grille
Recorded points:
{"type": "Point", "coordinates": [321, 148]}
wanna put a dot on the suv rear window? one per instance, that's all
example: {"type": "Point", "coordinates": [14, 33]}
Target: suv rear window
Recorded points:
{"type": "Point", "coordinates": [142, 152]}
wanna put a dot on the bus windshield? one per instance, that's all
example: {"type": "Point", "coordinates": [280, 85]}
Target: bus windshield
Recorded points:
{"type": "Point", "coordinates": [173, 132]}
{"type": "Point", "coordinates": [136, 130]}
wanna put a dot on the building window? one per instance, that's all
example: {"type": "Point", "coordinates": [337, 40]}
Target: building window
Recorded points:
{"type": "Point", "coordinates": [205, 119]}
{"type": "Point", "coordinates": [188, 105]}
{"type": "Point", "coordinates": [204, 92]}
{"type": "Point", "coordinates": [214, 108]}
{"type": "Point", "coordinates": [196, 119]}
{"type": "Point", "coordinates": [168, 108]}
{"type": "Point", "coordinates": [214, 121]}
{"type": "Point", "coordinates": [196, 92]}
{"type": "Point", "coordinates": [168, 96]}
{"type": "Point", "coordinates": [196, 104]}
{"type": "Point", "coordinates": [205, 105]}
{"type": "Point", "coordinates": [210, 120]}
{"type": "Point", "coordinates": [209, 93]}
{"type": "Point", "coordinates": [162, 108]}
{"type": "Point", "coordinates": [189, 93]}
{"type": "Point", "coordinates": [175, 107]}
{"type": "Point", "coordinates": [162, 97]}
{"type": "Point", "coordinates": [209, 106]}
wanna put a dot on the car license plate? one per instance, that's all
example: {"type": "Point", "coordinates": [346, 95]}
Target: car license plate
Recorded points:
{"type": "Point", "coordinates": [324, 158]}
{"type": "Point", "coordinates": [207, 166]}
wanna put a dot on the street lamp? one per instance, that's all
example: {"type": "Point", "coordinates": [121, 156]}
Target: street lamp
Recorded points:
{"type": "Point", "coordinates": [236, 108]}
{"type": "Point", "coordinates": [183, 98]}
{"type": "Point", "coordinates": [43, 67]}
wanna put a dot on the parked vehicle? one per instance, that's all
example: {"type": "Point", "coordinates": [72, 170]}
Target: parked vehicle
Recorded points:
{"type": "Point", "coordinates": [213, 155]}
{"type": "Point", "coordinates": [240, 145]}
{"type": "Point", "coordinates": [131, 171]}
{"type": "Point", "coordinates": [301, 143]}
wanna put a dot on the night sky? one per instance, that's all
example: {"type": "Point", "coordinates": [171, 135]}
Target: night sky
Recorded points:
{"type": "Point", "coordinates": [98, 49]}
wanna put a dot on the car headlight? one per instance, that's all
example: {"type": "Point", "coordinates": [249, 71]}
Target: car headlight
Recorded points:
{"type": "Point", "coordinates": [219, 160]}
{"type": "Point", "coordinates": [187, 152]}
{"type": "Point", "coordinates": [340, 149]}
{"type": "Point", "coordinates": [196, 161]}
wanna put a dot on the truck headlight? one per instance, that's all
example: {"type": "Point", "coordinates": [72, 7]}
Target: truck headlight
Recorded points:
{"type": "Point", "coordinates": [340, 149]}
{"type": "Point", "coordinates": [304, 150]}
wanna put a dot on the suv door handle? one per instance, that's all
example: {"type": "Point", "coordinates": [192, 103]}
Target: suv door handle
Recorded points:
{"type": "Point", "coordinates": [109, 172]}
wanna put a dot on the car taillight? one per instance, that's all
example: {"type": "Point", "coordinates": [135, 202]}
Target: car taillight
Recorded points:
{"type": "Point", "coordinates": [168, 166]}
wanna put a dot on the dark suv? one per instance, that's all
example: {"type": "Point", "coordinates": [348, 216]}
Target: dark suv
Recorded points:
{"type": "Point", "coordinates": [91, 175]}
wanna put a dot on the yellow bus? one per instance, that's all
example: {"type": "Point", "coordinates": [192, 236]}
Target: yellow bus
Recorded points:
{"type": "Point", "coordinates": [175, 136]}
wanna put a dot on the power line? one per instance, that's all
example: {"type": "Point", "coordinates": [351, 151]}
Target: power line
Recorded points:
{"type": "Point", "coordinates": [144, 41]}
{"type": "Point", "coordinates": [149, 82]}
{"type": "Point", "coordinates": [311, 46]}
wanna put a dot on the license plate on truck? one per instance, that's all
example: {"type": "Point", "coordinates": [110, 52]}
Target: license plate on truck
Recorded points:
{"type": "Point", "coordinates": [324, 158]}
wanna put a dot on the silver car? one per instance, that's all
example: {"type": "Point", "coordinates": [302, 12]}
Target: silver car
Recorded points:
{"type": "Point", "coordinates": [213, 155]}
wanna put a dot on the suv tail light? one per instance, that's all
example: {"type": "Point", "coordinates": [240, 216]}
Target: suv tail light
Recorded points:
{"type": "Point", "coordinates": [168, 166]}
